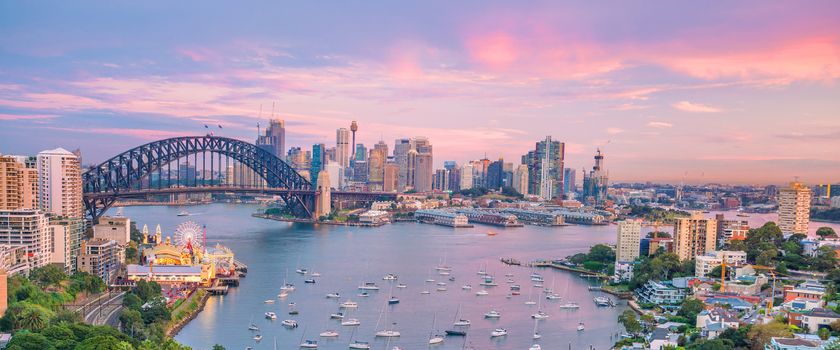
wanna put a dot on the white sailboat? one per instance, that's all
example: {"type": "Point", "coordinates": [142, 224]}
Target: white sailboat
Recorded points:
{"type": "Point", "coordinates": [363, 345]}
{"type": "Point", "coordinates": [434, 337]}
{"type": "Point", "coordinates": [386, 333]}
{"type": "Point", "coordinates": [530, 300]}
{"type": "Point", "coordinates": [537, 334]}
{"type": "Point", "coordinates": [540, 315]}
{"type": "Point", "coordinates": [460, 322]}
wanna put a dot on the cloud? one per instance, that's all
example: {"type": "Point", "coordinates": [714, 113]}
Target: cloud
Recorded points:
{"type": "Point", "coordinates": [614, 131]}
{"type": "Point", "coordinates": [4, 116]}
{"type": "Point", "coordinates": [695, 107]}
{"type": "Point", "coordinates": [659, 125]}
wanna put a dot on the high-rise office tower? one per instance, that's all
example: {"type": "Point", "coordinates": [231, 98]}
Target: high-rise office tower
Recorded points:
{"type": "Point", "coordinates": [274, 139]}
{"type": "Point", "coordinates": [423, 165]}
{"type": "Point", "coordinates": [467, 171]}
{"type": "Point", "coordinates": [695, 235]}
{"type": "Point", "coordinates": [353, 128]}
{"type": "Point", "coordinates": [336, 175]}
{"type": "Point", "coordinates": [392, 172]}
{"type": "Point", "coordinates": [319, 160]}
{"type": "Point", "coordinates": [361, 153]}
{"type": "Point", "coordinates": [627, 240]}
{"type": "Point", "coordinates": [569, 177]}
{"type": "Point", "coordinates": [794, 208]}
{"type": "Point", "coordinates": [596, 182]}
{"type": "Point", "coordinates": [520, 179]}
{"type": "Point", "coordinates": [376, 166]}
{"type": "Point", "coordinates": [545, 168]}
{"type": "Point", "coordinates": [455, 178]}
{"type": "Point", "coordinates": [440, 180]}
{"type": "Point", "coordinates": [342, 147]}
{"type": "Point", "coordinates": [410, 169]}
{"type": "Point", "coordinates": [495, 172]}
{"type": "Point", "coordinates": [18, 183]}
{"type": "Point", "coordinates": [60, 183]}
{"type": "Point", "coordinates": [360, 172]}
{"type": "Point", "coordinates": [401, 148]}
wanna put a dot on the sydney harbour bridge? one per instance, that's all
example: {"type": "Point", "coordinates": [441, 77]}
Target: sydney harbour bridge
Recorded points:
{"type": "Point", "coordinates": [147, 170]}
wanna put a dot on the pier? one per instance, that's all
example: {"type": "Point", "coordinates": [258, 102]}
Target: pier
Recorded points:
{"type": "Point", "coordinates": [490, 218]}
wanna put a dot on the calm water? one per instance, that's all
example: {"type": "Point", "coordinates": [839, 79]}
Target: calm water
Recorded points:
{"type": "Point", "coordinates": [348, 256]}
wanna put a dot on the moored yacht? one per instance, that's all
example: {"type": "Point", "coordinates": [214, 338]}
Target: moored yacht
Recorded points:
{"type": "Point", "coordinates": [359, 345]}
{"type": "Point", "coordinates": [302, 271]}
{"type": "Point", "coordinates": [498, 332]}
{"type": "Point", "coordinates": [333, 295]}
{"type": "Point", "coordinates": [289, 323]}
{"type": "Point", "coordinates": [571, 305]}
{"type": "Point", "coordinates": [580, 327]}
{"type": "Point", "coordinates": [369, 286]}
{"type": "Point", "coordinates": [309, 344]}
{"type": "Point", "coordinates": [337, 316]}
{"type": "Point", "coordinates": [481, 293]}
{"type": "Point", "coordinates": [493, 314]}
{"type": "Point", "coordinates": [329, 334]}
{"type": "Point", "coordinates": [390, 277]}
{"type": "Point", "coordinates": [351, 322]}
{"type": "Point", "coordinates": [540, 315]}
{"type": "Point", "coordinates": [349, 305]}
{"type": "Point", "coordinates": [466, 287]}
{"type": "Point", "coordinates": [271, 315]}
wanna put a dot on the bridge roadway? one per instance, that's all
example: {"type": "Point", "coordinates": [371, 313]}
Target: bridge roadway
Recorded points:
{"type": "Point", "coordinates": [335, 195]}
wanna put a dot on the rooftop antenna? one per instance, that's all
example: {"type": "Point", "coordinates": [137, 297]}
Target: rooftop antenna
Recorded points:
{"type": "Point", "coordinates": [272, 109]}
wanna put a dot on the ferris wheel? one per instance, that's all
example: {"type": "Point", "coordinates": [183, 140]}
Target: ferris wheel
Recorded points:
{"type": "Point", "coordinates": [188, 234]}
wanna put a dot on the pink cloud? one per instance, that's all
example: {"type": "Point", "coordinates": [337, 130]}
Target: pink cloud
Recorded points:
{"type": "Point", "coordinates": [695, 107]}
{"type": "Point", "coordinates": [4, 116]}
{"type": "Point", "coordinates": [142, 134]}
{"type": "Point", "coordinates": [659, 125]}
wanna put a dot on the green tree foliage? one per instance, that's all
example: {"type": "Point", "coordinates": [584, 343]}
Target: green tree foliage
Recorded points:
{"type": "Point", "coordinates": [761, 244]}
{"type": "Point", "coordinates": [104, 342]}
{"type": "Point", "coordinates": [660, 267]}
{"type": "Point", "coordinates": [711, 344]}
{"type": "Point", "coordinates": [630, 322]}
{"type": "Point", "coordinates": [760, 334]}
{"type": "Point", "coordinates": [147, 290]}
{"type": "Point", "coordinates": [825, 260]}
{"type": "Point", "coordinates": [738, 336]}
{"type": "Point", "coordinates": [652, 214]}
{"type": "Point", "coordinates": [824, 333]}
{"type": "Point", "coordinates": [690, 308]}
{"type": "Point", "coordinates": [218, 347]}
{"type": "Point", "coordinates": [50, 275]}
{"type": "Point", "coordinates": [26, 340]}
{"type": "Point", "coordinates": [658, 234]}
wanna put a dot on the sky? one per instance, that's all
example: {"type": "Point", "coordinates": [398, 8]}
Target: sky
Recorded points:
{"type": "Point", "coordinates": [694, 91]}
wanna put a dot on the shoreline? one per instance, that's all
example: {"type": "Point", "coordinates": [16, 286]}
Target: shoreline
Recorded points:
{"type": "Point", "coordinates": [176, 328]}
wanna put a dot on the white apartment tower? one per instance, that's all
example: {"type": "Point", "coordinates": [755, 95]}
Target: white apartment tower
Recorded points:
{"type": "Point", "coordinates": [794, 208]}
{"type": "Point", "coordinates": [60, 183]}
{"type": "Point", "coordinates": [627, 242]}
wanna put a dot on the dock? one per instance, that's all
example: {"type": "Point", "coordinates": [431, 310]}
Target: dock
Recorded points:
{"type": "Point", "coordinates": [510, 261]}
{"type": "Point", "coordinates": [218, 290]}
{"type": "Point", "coordinates": [229, 281]}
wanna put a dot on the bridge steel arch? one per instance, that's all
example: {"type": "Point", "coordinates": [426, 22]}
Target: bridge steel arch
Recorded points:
{"type": "Point", "coordinates": [125, 173]}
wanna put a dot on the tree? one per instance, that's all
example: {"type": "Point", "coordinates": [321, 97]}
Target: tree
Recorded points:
{"type": "Point", "coordinates": [218, 347]}
{"type": "Point", "coordinates": [32, 317]}
{"type": "Point", "coordinates": [147, 290]}
{"type": "Point", "coordinates": [825, 260]}
{"type": "Point", "coordinates": [132, 301]}
{"type": "Point", "coordinates": [738, 336]}
{"type": "Point", "coordinates": [60, 336]}
{"type": "Point", "coordinates": [132, 321]}
{"type": "Point", "coordinates": [690, 308]}
{"type": "Point", "coordinates": [50, 275]}
{"type": "Point", "coordinates": [825, 232]}
{"type": "Point", "coordinates": [760, 334]}
{"type": "Point", "coordinates": [104, 342]}
{"type": "Point", "coordinates": [629, 321]}
{"type": "Point", "coordinates": [26, 340]}
{"type": "Point", "coordinates": [711, 344]}
{"type": "Point", "coordinates": [824, 333]}
{"type": "Point", "coordinates": [834, 345]}
{"type": "Point", "coordinates": [658, 234]}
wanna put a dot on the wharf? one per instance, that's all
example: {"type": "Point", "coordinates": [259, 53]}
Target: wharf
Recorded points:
{"type": "Point", "coordinates": [583, 273]}
{"type": "Point", "coordinates": [510, 261]}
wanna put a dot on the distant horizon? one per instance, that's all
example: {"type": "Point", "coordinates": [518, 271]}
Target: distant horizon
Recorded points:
{"type": "Point", "coordinates": [710, 92]}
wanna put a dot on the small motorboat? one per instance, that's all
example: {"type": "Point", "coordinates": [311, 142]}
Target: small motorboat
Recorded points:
{"type": "Point", "coordinates": [509, 281]}
{"type": "Point", "coordinates": [444, 273]}
{"type": "Point", "coordinates": [287, 287]}
{"type": "Point", "coordinates": [253, 327]}
{"type": "Point", "coordinates": [257, 337]}
{"type": "Point", "coordinates": [580, 327]}
{"type": "Point", "coordinates": [425, 292]}
{"type": "Point", "coordinates": [535, 347]}
{"type": "Point", "coordinates": [466, 287]}
{"type": "Point", "coordinates": [540, 315]}
{"type": "Point", "coordinates": [482, 292]}
{"type": "Point", "coordinates": [393, 300]}
{"type": "Point", "coordinates": [441, 289]}
{"type": "Point", "coordinates": [271, 315]}
{"type": "Point", "coordinates": [269, 301]}
{"type": "Point", "coordinates": [530, 302]}
{"type": "Point", "coordinates": [309, 344]}
{"type": "Point", "coordinates": [535, 276]}
{"type": "Point", "coordinates": [337, 316]}
{"type": "Point", "coordinates": [401, 285]}
{"type": "Point", "coordinates": [302, 271]}
{"type": "Point", "coordinates": [498, 332]}
{"type": "Point", "coordinates": [369, 286]}
{"type": "Point", "coordinates": [461, 323]}
{"type": "Point", "coordinates": [603, 301]}
{"type": "Point", "coordinates": [363, 294]}
{"type": "Point", "coordinates": [441, 283]}
{"type": "Point", "coordinates": [289, 323]}
{"type": "Point", "coordinates": [436, 339]}
{"type": "Point", "coordinates": [329, 334]}
{"type": "Point", "coordinates": [493, 314]}
{"type": "Point", "coordinates": [360, 345]}
{"type": "Point", "coordinates": [508, 274]}
{"type": "Point", "coordinates": [456, 332]}
{"type": "Point", "coordinates": [451, 278]}
{"type": "Point", "coordinates": [349, 305]}
{"type": "Point", "coordinates": [183, 213]}
{"type": "Point", "coordinates": [333, 295]}
{"type": "Point", "coordinates": [315, 274]}
{"type": "Point", "coordinates": [283, 294]}
{"type": "Point", "coordinates": [430, 280]}
{"type": "Point", "coordinates": [310, 281]}
{"type": "Point", "coordinates": [351, 322]}
{"type": "Point", "coordinates": [388, 334]}
{"type": "Point", "coordinates": [390, 277]}
{"type": "Point", "coordinates": [491, 233]}
{"type": "Point", "coordinates": [553, 296]}
{"type": "Point", "coordinates": [292, 309]}
{"type": "Point", "coordinates": [570, 306]}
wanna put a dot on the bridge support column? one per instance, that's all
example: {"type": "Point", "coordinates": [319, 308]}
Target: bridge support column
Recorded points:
{"type": "Point", "coordinates": [322, 196]}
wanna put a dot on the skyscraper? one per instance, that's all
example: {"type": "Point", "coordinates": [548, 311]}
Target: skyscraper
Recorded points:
{"type": "Point", "coordinates": [376, 165]}
{"type": "Point", "coordinates": [569, 177]}
{"type": "Point", "coordinates": [495, 174]}
{"type": "Point", "coordinates": [467, 171]}
{"type": "Point", "coordinates": [627, 242]}
{"type": "Point", "coordinates": [545, 168]}
{"type": "Point", "coordinates": [794, 208]}
{"type": "Point", "coordinates": [520, 179]}
{"type": "Point", "coordinates": [423, 164]}
{"type": "Point", "coordinates": [454, 178]}
{"type": "Point", "coordinates": [319, 159]}
{"type": "Point", "coordinates": [274, 139]}
{"type": "Point", "coordinates": [401, 148]}
{"type": "Point", "coordinates": [18, 183]}
{"type": "Point", "coordinates": [342, 147]}
{"type": "Point", "coordinates": [440, 181]}
{"type": "Point", "coordinates": [60, 183]}
{"type": "Point", "coordinates": [596, 182]}
{"type": "Point", "coordinates": [694, 236]}
{"type": "Point", "coordinates": [361, 153]}
{"type": "Point", "coordinates": [392, 171]}
{"type": "Point", "coordinates": [410, 169]}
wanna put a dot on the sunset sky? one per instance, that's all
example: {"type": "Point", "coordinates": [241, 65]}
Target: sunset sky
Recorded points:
{"type": "Point", "coordinates": [706, 91]}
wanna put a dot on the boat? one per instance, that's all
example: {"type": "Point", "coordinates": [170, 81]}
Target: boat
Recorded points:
{"type": "Point", "coordinates": [538, 285]}
{"type": "Point", "coordinates": [253, 327]}
{"type": "Point", "coordinates": [491, 233]}
{"type": "Point", "coordinates": [441, 283]}
{"type": "Point", "coordinates": [283, 294]}
{"type": "Point", "coordinates": [287, 287]}
{"type": "Point", "coordinates": [580, 327]}
{"type": "Point", "coordinates": [257, 337]}
{"type": "Point", "coordinates": [425, 292]}
{"type": "Point", "coordinates": [481, 292]}
{"type": "Point", "coordinates": [493, 314]}
{"type": "Point", "coordinates": [742, 215]}
{"type": "Point", "coordinates": [349, 305]}
{"type": "Point", "coordinates": [393, 300]}
{"type": "Point", "coordinates": [388, 334]}
{"type": "Point", "coordinates": [309, 344]}
{"type": "Point", "coordinates": [315, 274]}
{"type": "Point", "coordinates": [535, 276]}
{"type": "Point", "coordinates": [289, 323]}
{"type": "Point", "coordinates": [603, 301]}
{"type": "Point", "coordinates": [401, 285]}
{"type": "Point", "coordinates": [270, 315]}
{"type": "Point", "coordinates": [351, 322]}
{"type": "Point", "coordinates": [435, 338]}
{"type": "Point", "coordinates": [359, 345]}
{"type": "Point", "coordinates": [553, 296]}
{"type": "Point", "coordinates": [535, 347]}
{"type": "Point", "coordinates": [441, 289]}
{"type": "Point", "coordinates": [269, 301]}
{"type": "Point", "coordinates": [488, 281]}
{"type": "Point", "coordinates": [363, 294]}
{"type": "Point", "coordinates": [451, 278]}
{"type": "Point", "coordinates": [311, 281]}
{"type": "Point", "coordinates": [390, 277]}
{"type": "Point", "coordinates": [183, 213]}
{"type": "Point", "coordinates": [508, 274]}
{"type": "Point", "coordinates": [537, 334]}
{"type": "Point", "coordinates": [337, 316]}
{"type": "Point", "coordinates": [515, 287]}
{"type": "Point", "coordinates": [462, 322]}
{"type": "Point", "coordinates": [302, 271]}
{"type": "Point", "coordinates": [509, 281]}
{"type": "Point", "coordinates": [540, 315]}
{"type": "Point", "coordinates": [444, 273]}
{"type": "Point", "coordinates": [369, 286]}
{"type": "Point", "coordinates": [570, 306]}
{"type": "Point", "coordinates": [466, 287]}
{"type": "Point", "coordinates": [456, 332]}
{"type": "Point", "coordinates": [498, 332]}
{"type": "Point", "coordinates": [329, 334]}
{"type": "Point", "coordinates": [333, 295]}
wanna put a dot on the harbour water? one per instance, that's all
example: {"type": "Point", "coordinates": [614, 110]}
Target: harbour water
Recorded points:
{"type": "Point", "coordinates": [348, 256]}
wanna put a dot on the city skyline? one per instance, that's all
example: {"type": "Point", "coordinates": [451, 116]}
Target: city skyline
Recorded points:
{"type": "Point", "coordinates": [734, 93]}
